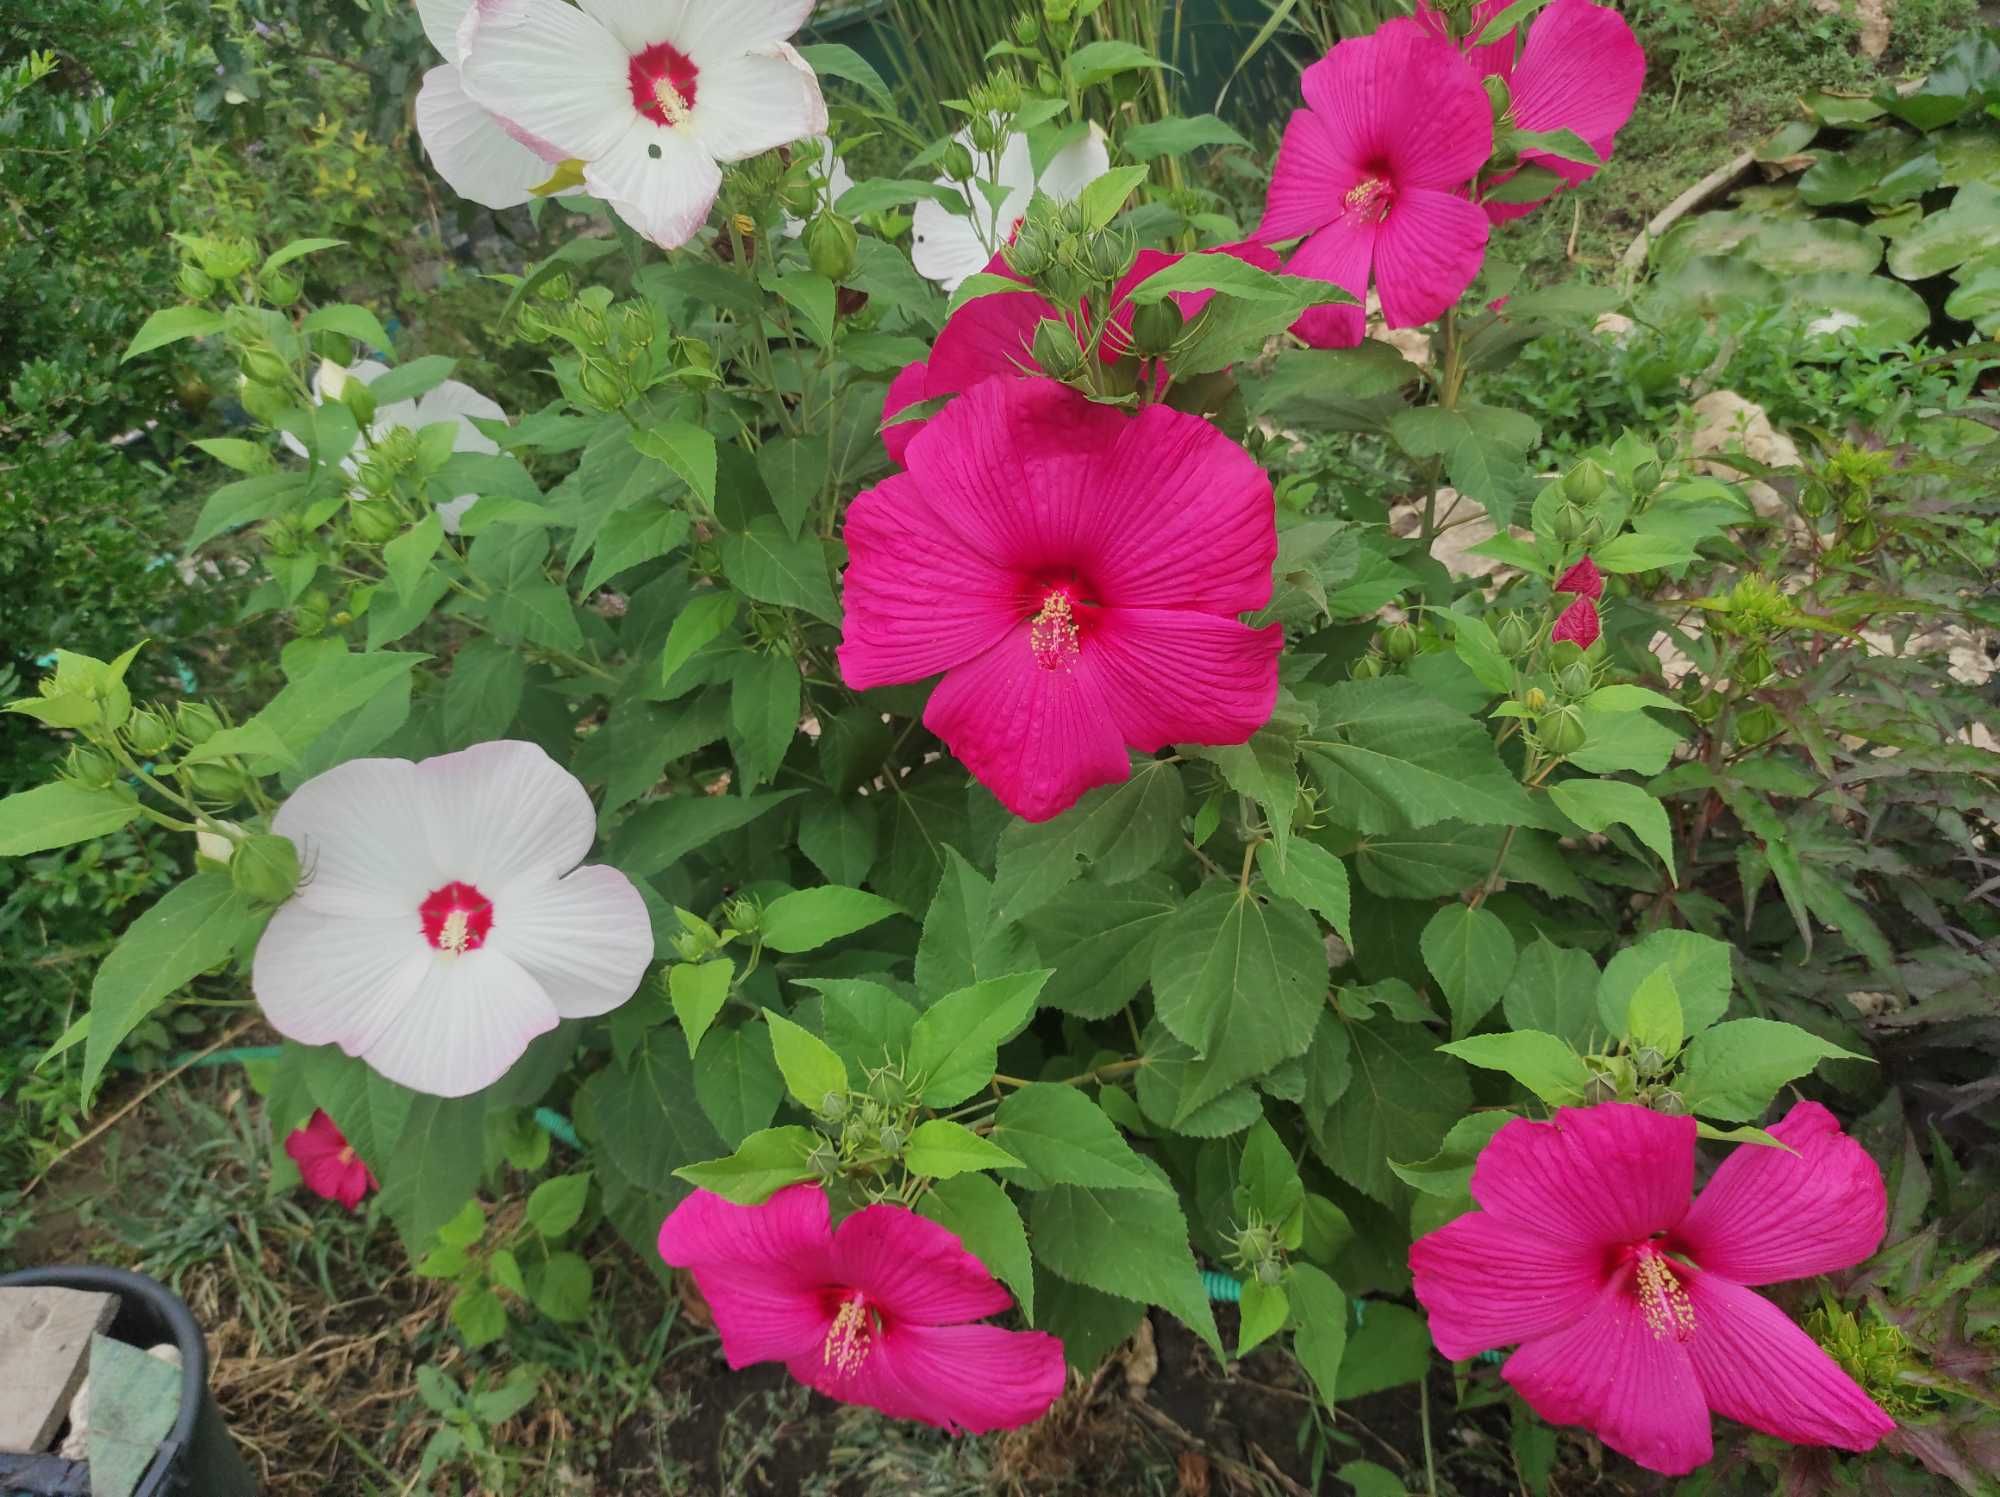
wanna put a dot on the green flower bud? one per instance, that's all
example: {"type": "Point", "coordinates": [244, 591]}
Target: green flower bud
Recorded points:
{"type": "Point", "coordinates": [214, 785]}
{"type": "Point", "coordinates": [311, 613]}
{"type": "Point", "coordinates": [1649, 1061]}
{"type": "Point", "coordinates": [1569, 523]}
{"type": "Point", "coordinates": [197, 722]}
{"type": "Point", "coordinates": [1863, 536]}
{"type": "Point", "coordinates": [956, 162]}
{"type": "Point", "coordinates": [636, 327]}
{"type": "Point", "coordinates": [1110, 253]}
{"type": "Point", "coordinates": [1576, 679]}
{"type": "Point", "coordinates": [264, 367]}
{"type": "Point", "coordinates": [603, 385]}
{"type": "Point", "coordinates": [372, 522]}
{"type": "Point", "coordinates": [1367, 668]}
{"type": "Point", "coordinates": [833, 1106]}
{"type": "Point", "coordinates": [280, 288]}
{"type": "Point", "coordinates": [282, 536]}
{"type": "Point", "coordinates": [1513, 635]}
{"type": "Point", "coordinates": [695, 357]}
{"type": "Point", "coordinates": [337, 347]}
{"type": "Point", "coordinates": [689, 947]}
{"type": "Point", "coordinates": [1069, 218]}
{"type": "Point", "coordinates": [1399, 642]}
{"type": "Point", "coordinates": [744, 915]}
{"type": "Point", "coordinates": [1753, 666]}
{"type": "Point", "coordinates": [1600, 1088]}
{"type": "Point", "coordinates": [1561, 732]}
{"type": "Point", "coordinates": [265, 869]}
{"type": "Point", "coordinates": [1027, 30]}
{"type": "Point", "coordinates": [1672, 1103]}
{"type": "Point", "coordinates": [1536, 700]}
{"type": "Point", "coordinates": [891, 1141]}
{"type": "Point", "coordinates": [89, 766]}
{"type": "Point", "coordinates": [887, 1088]}
{"type": "Point", "coordinates": [1584, 483]}
{"type": "Point", "coordinates": [1156, 328]}
{"type": "Point", "coordinates": [832, 246]}
{"type": "Point", "coordinates": [1500, 96]}
{"type": "Point", "coordinates": [265, 403]}
{"type": "Point", "coordinates": [196, 284]}
{"type": "Point", "coordinates": [1645, 478]}
{"type": "Point", "coordinates": [1270, 1273]}
{"type": "Point", "coordinates": [1033, 250]}
{"type": "Point", "coordinates": [1757, 724]}
{"type": "Point", "coordinates": [1813, 500]}
{"type": "Point", "coordinates": [1057, 351]}
{"type": "Point", "coordinates": [558, 287]}
{"type": "Point", "coordinates": [148, 732]}
{"type": "Point", "coordinates": [1706, 708]}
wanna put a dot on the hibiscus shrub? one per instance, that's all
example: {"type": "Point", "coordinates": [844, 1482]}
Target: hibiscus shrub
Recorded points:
{"type": "Point", "coordinates": [1033, 859]}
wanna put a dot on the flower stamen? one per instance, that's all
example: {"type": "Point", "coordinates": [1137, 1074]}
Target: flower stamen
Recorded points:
{"type": "Point", "coordinates": [1369, 199]}
{"type": "Point", "coordinates": [1053, 634]}
{"type": "Point", "coordinates": [456, 918]}
{"type": "Point", "coordinates": [850, 1337]}
{"type": "Point", "coordinates": [1663, 1300]}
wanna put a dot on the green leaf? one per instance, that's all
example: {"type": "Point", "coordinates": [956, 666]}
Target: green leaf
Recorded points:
{"type": "Point", "coordinates": [812, 1071]}
{"type": "Point", "coordinates": [1402, 1101]}
{"type": "Point", "coordinates": [435, 1166]}
{"type": "Point", "coordinates": [1733, 1070]}
{"type": "Point", "coordinates": [561, 1288]}
{"type": "Point", "coordinates": [941, 1149]}
{"type": "Point", "coordinates": [985, 283]}
{"type": "Point", "coordinates": [297, 249]}
{"type": "Point", "coordinates": [696, 626]}
{"type": "Point", "coordinates": [866, 1023]}
{"type": "Point", "coordinates": [809, 919]}
{"type": "Point", "coordinates": [1391, 1346]}
{"type": "Point", "coordinates": [765, 1164]}
{"type": "Point", "coordinates": [408, 381]}
{"type": "Point", "coordinates": [1308, 874]}
{"type": "Point", "coordinates": [1471, 954]}
{"type": "Point", "coordinates": [813, 296]}
{"type": "Point", "coordinates": [1102, 947]}
{"type": "Point", "coordinates": [794, 470]}
{"type": "Point", "coordinates": [632, 537]}
{"type": "Point", "coordinates": [764, 711]}
{"type": "Point", "coordinates": [738, 1081]}
{"type": "Point", "coordinates": [483, 696]}
{"type": "Point", "coordinates": [556, 1205]}
{"type": "Point", "coordinates": [662, 832]}
{"type": "Point", "coordinates": [1319, 1314]}
{"type": "Point", "coordinates": [1700, 966]}
{"type": "Point", "coordinates": [195, 926]}
{"type": "Point", "coordinates": [832, 59]}
{"type": "Point", "coordinates": [1969, 226]}
{"type": "Point", "coordinates": [1131, 1243]}
{"type": "Point", "coordinates": [1171, 1069]}
{"type": "Point", "coordinates": [1267, 1181]}
{"type": "Point", "coordinates": [538, 612]}
{"type": "Point", "coordinates": [1120, 830]}
{"type": "Point", "coordinates": [248, 499]}
{"type": "Point", "coordinates": [840, 837]}
{"type": "Point", "coordinates": [987, 1221]}
{"type": "Point", "coordinates": [406, 557]}
{"type": "Point", "coordinates": [479, 1316]}
{"type": "Point", "coordinates": [1061, 1137]}
{"type": "Point", "coordinates": [1265, 1310]}
{"type": "Point", "coordinates": [955, 1044]}
{"type": "Point", "coordinates": [648, 1120]}
{"type": "Point", "coordinates": [1511, 16]}
{"type": "Point", "coordinates": [1177, 136]}
{"type": "Point", "coordinates": [1540, 1062]}
{"type": "Point", "coordinates": [60, 814]}
{"type": "Point", "coordinates": [1554, 988]}
{"type": "Point", "coordinates": [698, 992]}
{"type": "Point", "coordinates": [1596, 804]}
{"type": "Point", "coordinates": [765, 563]}
{"type": "Point", "coordinates": [1653, 1018]}
{"type": "Point", "coordinates": [1371, 1480]}
{"type": "Point", "coordinates": [687, 449]}
{"type": "Point", "coordinates": [1242, 983]}
{"type": "Point", "coordinates": [330, 684]}
{"type": "Point", "coordinates": [961, 942]}
{"type": "Point", "coordinates": [1447, 1174]}
{"type": "Point", "coordinates": [1101, 200]}
{"type": "Point", "coordinates": [358, 323]}
{"type": "Point", "coordinates": [234, 452]}
{"type": "Point", "coordinates": [170, 326]}
{"type": "Point", "coordinates": [1391, 758]}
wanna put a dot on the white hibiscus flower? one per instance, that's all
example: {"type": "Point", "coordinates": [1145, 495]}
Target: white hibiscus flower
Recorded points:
{"type": "Point", "coordinates": [442, 922]}
{"type": "Point", "coordinates": [650, 95]}
{"type": "Point", "coordinates": [482, 156]}
{"type": "Point", "coordinates": [948, 246]}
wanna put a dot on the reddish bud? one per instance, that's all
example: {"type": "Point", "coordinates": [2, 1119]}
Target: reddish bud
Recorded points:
{"type": "Point", "coordinates": [1578, 625]}
{"type": "Point", "coordinates": [1583, 579]}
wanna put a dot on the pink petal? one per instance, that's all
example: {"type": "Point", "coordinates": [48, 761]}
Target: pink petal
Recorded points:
{"type": "Point", "coordinates": [990, 337]}
{"type": "Point", "coordinates": [1486, 1284]}
{"type": "Point", "coordinates": [1581, 70]}
{"type": "Point", "coordinates": [919, 597]}
{"type": "Point", "coordinates": [913, 1269]}
{"type": "Point", "coordinates": [1578, 625]}
{"type": "Point", "coordinates": [1340, 254]}
{"type": "Point", "coordinates": [1176, 676]}
{"type": "Point", "coordinates": [1768, 1215]}
{"type": "Point", "coordinates": [1405, 98]}
{"type": "Point", "coordinates": [905, 390]}
{"type": "Point", "coordinates": [968, 1379]}
{"type": "Point", "coordinates": [1427, 251]}
{"type": "Point", "coordinates": [1036, 738]}
{"type": "Point", "coordinates": [1759, 1369]}
{"type": "Point", "coordinates": [1308, 180]}
{"type": "Point", "coordinates": [1608, 1372]}
{"type": "Point", "coordinates": [1179, 516]}
{"type": "Point", "coordinates": [1583, 579]}
{"type": "Point", "coordinates": [1604, 1176]}
{"type": "Point", "coordinates": [763, 1269]}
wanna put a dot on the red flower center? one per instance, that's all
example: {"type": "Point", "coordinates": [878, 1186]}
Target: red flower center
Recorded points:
{"type": "Point", "coordinates": [852, 1335]}
{"type": "Point", "coordinates": [1662, 1298]}
{"type": "Point", "coordinates": [663, 82]}
{"type": "Point", "coordinates": [1370, 199]}
{"type": "Point", "coordinates": [1053, 633]}
{"type": "Point", "coordinates": [456, 918]}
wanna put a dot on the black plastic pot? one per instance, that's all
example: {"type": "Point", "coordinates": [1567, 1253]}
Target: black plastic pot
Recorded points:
{"type": "Point", "coordinates": [197, 1458]}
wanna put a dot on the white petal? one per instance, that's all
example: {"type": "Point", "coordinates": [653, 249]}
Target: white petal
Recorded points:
{"type": "Point", "coordinates": [364, 846]}
{"type": "Point", "coordinates": [1016, 169]}
{"type": "Point", "coordinates": [586, 939]}
{"type": "Point", "coordinates": [471, 149]}
{"type": "Point", "coordinates": [442, 19]}
{"type": "Point", "coordinates": [705, 30]}
{"type": "Point", "coordinates": [499, 810]}
{"type": "Point", "coordinates": [552, 71]}
{"type": "Point", "coordinates": [456, 401]}
{"type": "Point", "coordinates": [365, 370]}
{"type": "Point", "coordinates": [466, 1023]}
{"type": "Point", "coordinates": [453, 510]}
{"type": "Point", "coordinates": [661, 182]}
{"type": "Point", "coordinates": [330, 979]}
{"type": "Point", "coordinates": [756, 101]}
{"type": "Point", "coordinates": [1076, 166]}
{"type": "Point", "coordinates": [945, 247]}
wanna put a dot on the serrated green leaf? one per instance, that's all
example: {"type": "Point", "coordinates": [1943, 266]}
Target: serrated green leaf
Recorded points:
{"type": "Point", "coordinates": [955, 1043]}
{"type": "Point", "coordinates": [1733, 1070]}
{"type": "Point", "coordinates": [698, 992]}
{"type": "Point", "coordinates": [1061, 1137]}
{"type": "Point", "coordinates": [61, 814]}
{"type": "Point", "coordinates": [1540, 1062]}
{"type": "Point", "coordinates": [940, 1149]}
{"type": "Point", "coordinates": [1471, 954]}
{"type": "Point", "coordinates": [764, 1165]}
{"type": "Point", "coordinates": [811, 1069]}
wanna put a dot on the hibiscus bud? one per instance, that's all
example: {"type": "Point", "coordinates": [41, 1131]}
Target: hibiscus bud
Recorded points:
{"type": "Point", "coordinates": [226, 261]}
{"type": "Point", "coordinates": [1569, 523]}
{"type": "Point", "coordinates": [91, 767]}
{"type": "Point", "coordinates": [1645, 477]}
{"type": "Point", "coordinates": [211, 784]}
{"type": "Point", "coordinates": [311, 612]}
{"type": "Point", "coordinates": [1057, 351]}
{"type": "Point", "coordinates": [1058, 12]}
{"type": "Point", "coordinates": [1399, 642]}
{"type": "Point", "coordinates": [744, 915]}
{"type": "Point", "coordinates": [1367, 668]}
{"type": "Point", "coordinates": [265, 869]}
{"type": "Point", "coordinates": [1032, 251]}
{"type": "Point", "coordinates": [1757, 725]}
{"type": "Point", "coordinates": [1111, 253]}
{"type": "Point", "coordinates": [197, 722]}
{"type": "Point", "coordinates": [1513, 635]}
{"type": "Point", "coordinates": [1499, 96]}
{"type": "Point", "coordinates": [148, 732]}
{"type": "Point", "coordinates": [372, 522]}
{"type": "Point", "coordinates": [833, 1106]}
{"type": "Point", "coordinates": [1561, 732]}
{"type": "Point", "coordinates": [1813, 501]}
{"type": "Point", "coordinates": [636, 327]}
{"type": "Point", "coordinates": [282, 536]}
{"type": "Point", "coordinates": [1649, 1060]}
{"type": "Point", "coordinates": [1672, 1103]}
{"type": "Point", "coordinates": [1027, 30]}
{"type": "Point", "coordinates": [1753, 666]}
{"type": "Point", "coordinates": [1863, 537]}
{"type": "Point", "coordinates": [602, 385]}
{"type": "Point", "coordinates": [956, 162]}
{"type": "Point", "coordinates": [832, 245]}
{"type": "Point", "coordinates": [215, 844]}
{"type": "Point", "coordinates": [1155, 328]}
{"type": "Point", "coordinates": [1706, 707]}
{"type": "Point", "coordinates": [891, 1142]}
{"type": "Point", "coordinates": [888, 1088]}
{"type": "Point", "coordinates": [1536, 700]}
{"type": "Point", "coordinates": [265, 403]}
{"type": "Point", "coordinates": [265, 367]}
{"type": "Point", "coordinates": [558, 287]}
{"type": "Point", "coordinates": [1584, 483]}
{"type": "Point", "coordinates": [1576, 679]}
{"type": "Point", "coordinates": [280, 288]}
{"type": "Point", "coordinates": [1270, 1272]}
{"type": "Point", "coordinates": [196, 284]}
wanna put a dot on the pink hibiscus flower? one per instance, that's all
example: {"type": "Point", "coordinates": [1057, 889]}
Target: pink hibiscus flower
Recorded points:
{"type": "Point", "coordinates": [1630, 1306]}
{"type": "Point", "coordinates": [1580, 69]}
{"type": "Point", "coordinates": [992, 337]}
{"type": "Point", "coordinates": [877, 1312]}
{"type": "Point", "coordinates": [1578, 625]}
{"type": "Point", "coordinates": [328, 1164]}
{"type": "Point", "coordinates": [1583, 579]}
{"type": "Point", "coordinates": [1373, 173]}
{"type": "Point", "coordinates": [1075, 574]}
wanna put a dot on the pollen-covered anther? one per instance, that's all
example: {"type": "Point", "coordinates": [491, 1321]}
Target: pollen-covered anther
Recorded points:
{"type": "Point", "coordinates": [1663, 1301]}
{"type": "Point", "coordinates": [1053, 634]}
{"type": "Point", "coordinates": [850, 1337]}
{"type": "Point", "coordinates": [674, 109]}
{"type": "Point", "coordinates": [1369, 199]}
